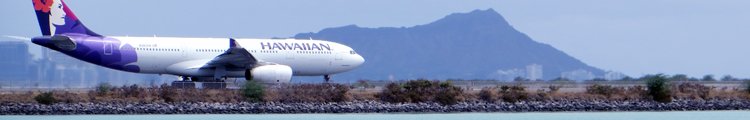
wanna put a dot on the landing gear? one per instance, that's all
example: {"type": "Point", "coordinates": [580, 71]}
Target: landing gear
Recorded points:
{"type": "Point", "coordinates": [185, 82]}
{"type": "Point", "coordinates": [185, 78]}
{"type": "Point", "coordinates": [204, 82]}
{"type": "Point", "coordinates": [327, 78]}
{"type": "Point", "coordinates": [248, 75]}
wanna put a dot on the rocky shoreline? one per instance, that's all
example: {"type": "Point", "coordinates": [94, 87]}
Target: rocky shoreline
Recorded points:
{"type": "Point", "coordinates": [363, 107]}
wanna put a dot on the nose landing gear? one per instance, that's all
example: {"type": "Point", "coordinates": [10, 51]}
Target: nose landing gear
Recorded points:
{"type": "Point", "coordinates": [327, 78]}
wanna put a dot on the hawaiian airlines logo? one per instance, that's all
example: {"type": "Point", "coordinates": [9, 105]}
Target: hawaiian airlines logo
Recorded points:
{"type": "Point", "coordinates": [294, 46]}
{"type": "Point", "coordinates": [56, 18]}
{"type": "Point", "coordinates": [51, 12]}
{"type": "Point", "coordinates": [43, 5]}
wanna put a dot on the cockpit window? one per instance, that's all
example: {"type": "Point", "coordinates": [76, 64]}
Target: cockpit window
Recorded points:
{"type": "Point", "coordinates": [352, 52]}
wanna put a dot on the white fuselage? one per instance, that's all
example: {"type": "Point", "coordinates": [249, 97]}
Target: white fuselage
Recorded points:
{"type": "Point", "coordinates": [184, 56]}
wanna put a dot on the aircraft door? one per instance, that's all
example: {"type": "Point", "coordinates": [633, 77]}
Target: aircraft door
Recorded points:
{"type": "Point", "coordinates": [183, 50]}
{"type": "Point", "coordinates": [336, 62]}
{"type": "Point", "coordinates": [108, 46]}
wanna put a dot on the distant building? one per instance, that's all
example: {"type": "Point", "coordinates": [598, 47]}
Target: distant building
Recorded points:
{"type": "Point", "coordinates": [579, 74]}
{"type": "Point", "coordinates": [509, 74]}
{"type": "Point", "coordinates": [16, 63]}
{"type": "Point", "coordinates": [612, 75]}
{"type": "Point", "coordinates": [56, 70]}
{"type": "Point", "coordinates": [60, 70]}
{"type": "Point", "coordinates": [534, 72]}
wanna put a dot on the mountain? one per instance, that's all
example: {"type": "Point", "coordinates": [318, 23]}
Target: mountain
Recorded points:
{"type": "Point", "coordinates": [474, 45]}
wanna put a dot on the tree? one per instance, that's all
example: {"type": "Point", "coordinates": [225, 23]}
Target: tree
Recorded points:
{"type": "Point", "coordinates": [646, 77]}
{"type": "Point", "coordinates": [728, 78]}
{"type": "Point", "coordinates": [708, 78]}
{"type": "Point", "coordinates": [679, 77]}
{"type": "Point", "coordinates": [561, 79]}
{"type": "Point", "coordinates": [627, 78]}
{"type": "Point", "coordinates": [598, 79]}
{"type": "Point", "coordinates": [363, 84]}
{"type": "Point", "coordinates": [658, 88]}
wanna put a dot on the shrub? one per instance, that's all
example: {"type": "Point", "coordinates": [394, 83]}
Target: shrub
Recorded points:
{"type": "Point", "coordinates": [513, 93]}
{"type": "Point", "coordinates": [364, 95]}
{"type": "Point", "coordinates": [606, 90]}
{"type": "Point", "coordinates": [103, 89]}
{"type": "Point", "coordinates": [694, 90]}
{"type": "Point", "coordinates": [132, 91]}
{"type": "Point", "coordinates": [68, 97]}
{"type": "Point", "coordinates": [554, 88]}
{"type": "Point", "coordinates": [422, 91]}
{"type": "Point", "coordinates": [363, 84]}
{"type": "Point", "coordinates": [46, 98]}
{"type": "Point", "coordinates": [336, 93]}
{"type": "Point", "coordinates": [540, 95]}
{"type": "Point", "coordinates": [167, 93]}
{"type": "Point", "coordinates": [747, 86]}
{"type": "Point", "coordinates": [658, 88]}
{"type": "Point", "coordinates": [253, 91]}
{"type": "Point", "coordinates": [308, 93]}
{"type": "Point", "coordinates": [392, 93]}
{"type": "Point", "coordinates": [636, 92]}
{"type": "Point", "coordinates": [488, 94]}
{"type": "Point", "coordinates": [448, 94]}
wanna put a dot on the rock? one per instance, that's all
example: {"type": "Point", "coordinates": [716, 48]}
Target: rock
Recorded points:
{"type": "Point", "coordinates": [364, 107]}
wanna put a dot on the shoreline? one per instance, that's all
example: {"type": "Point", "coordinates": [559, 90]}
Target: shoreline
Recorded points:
{"type": "Point", "coordinates": [366, 107]}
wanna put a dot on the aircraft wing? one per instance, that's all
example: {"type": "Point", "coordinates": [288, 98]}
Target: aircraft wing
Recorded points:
{"type": "Point", "coordinates": [236, 57]}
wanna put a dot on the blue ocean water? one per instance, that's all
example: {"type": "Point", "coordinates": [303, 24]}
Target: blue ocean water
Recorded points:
{"type": "Point", "coordinates": [680, 115]}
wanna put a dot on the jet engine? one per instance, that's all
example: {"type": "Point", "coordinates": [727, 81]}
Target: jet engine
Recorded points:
{"type": "Point", "coordinates": [63, 42]}
{"type": "Point", "coordinates": [270, 74]}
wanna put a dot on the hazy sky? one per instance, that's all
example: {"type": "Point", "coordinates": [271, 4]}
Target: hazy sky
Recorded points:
{"type": "Point", "coordinates": [637, 37]}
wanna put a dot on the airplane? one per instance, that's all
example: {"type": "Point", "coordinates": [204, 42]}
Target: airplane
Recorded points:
{"type": "Point", "coordinates": [193, 59]}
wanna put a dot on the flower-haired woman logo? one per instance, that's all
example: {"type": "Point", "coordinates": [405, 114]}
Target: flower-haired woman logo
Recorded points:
{"type": "Point", "coordinates": [54, 10]}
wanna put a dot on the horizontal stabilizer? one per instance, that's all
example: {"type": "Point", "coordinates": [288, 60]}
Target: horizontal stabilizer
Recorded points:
{"type": "Point", "coordinates": [19, 37]}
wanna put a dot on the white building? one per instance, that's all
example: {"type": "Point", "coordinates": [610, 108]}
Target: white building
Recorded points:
{"type": "Point", "coordinates": [612, 75]}
{"type": "Point", "coordinates": [509, 74]}
{"type": "Point", "coordinates": [534, 72]}
{"type": "Point", "coordinates": [579, 74]}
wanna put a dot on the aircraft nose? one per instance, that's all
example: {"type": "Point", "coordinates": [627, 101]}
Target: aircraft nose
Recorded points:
{"type": "Point", "coordinates": [358, 60]}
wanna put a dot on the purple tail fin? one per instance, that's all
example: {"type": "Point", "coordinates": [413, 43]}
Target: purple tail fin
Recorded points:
{"type": "Point", "coordinates": [56, 18]}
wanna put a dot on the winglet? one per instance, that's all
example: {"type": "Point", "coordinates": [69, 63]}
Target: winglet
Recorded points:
{"type": "Point", "coordinates": [233, 43]}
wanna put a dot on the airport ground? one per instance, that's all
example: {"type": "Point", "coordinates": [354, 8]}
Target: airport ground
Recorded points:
{"type": "Point", "coordinates": [467, 85]}
{"type": "Point", "coordinates": [379, 96]}
{"type": "Point", "coordinates": [368, 90]}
